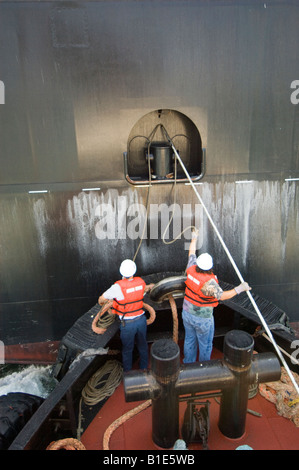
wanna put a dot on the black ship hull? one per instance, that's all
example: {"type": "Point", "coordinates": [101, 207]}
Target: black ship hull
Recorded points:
{"type": "Point", "coordinates": [84, 86]}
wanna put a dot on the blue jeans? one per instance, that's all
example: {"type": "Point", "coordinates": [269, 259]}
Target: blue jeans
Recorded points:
{"type": "Point", "coordinates": [199, 333]}
{"type": "Point", "coordinates": [131, 330]}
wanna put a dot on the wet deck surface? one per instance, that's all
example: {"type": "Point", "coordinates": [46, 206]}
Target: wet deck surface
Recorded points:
{"type": "Point", "coordinates": [268, 432]}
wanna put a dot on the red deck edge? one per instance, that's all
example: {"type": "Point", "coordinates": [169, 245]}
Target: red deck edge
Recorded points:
{"type": "Point", "coordinates": [31, 353]}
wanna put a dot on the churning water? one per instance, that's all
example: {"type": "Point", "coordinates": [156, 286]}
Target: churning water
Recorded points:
{"type": "Point", "coordinates": [32, 379]}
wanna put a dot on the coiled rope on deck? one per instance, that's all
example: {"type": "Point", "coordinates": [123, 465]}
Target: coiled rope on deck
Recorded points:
{"type": "Point", "coordinates": [281, 393]}
{"type": "Point", "coordinates": [98, 388]}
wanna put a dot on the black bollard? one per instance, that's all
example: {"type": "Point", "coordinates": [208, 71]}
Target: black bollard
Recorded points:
{"type": "Point", "coordinates": [168, 380]}
{"type": "Point", "coordinates": [165, 360]}
{"type": "Point", "coordinates": [237, 351]}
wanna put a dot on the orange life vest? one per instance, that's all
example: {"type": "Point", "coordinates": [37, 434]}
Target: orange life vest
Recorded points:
{"type": "Point", "coordinates": [132, 304]}
{"type": "Point", "coordinates": [194, 283]}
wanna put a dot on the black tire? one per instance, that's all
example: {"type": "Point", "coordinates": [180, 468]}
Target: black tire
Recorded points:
{"type": "Point", "coordinates": [174, 285]}
{"type": "Point", "coordinates": [15, 411]}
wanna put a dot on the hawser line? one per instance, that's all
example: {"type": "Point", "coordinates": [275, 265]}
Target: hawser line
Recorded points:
{"type": "Point", "coordinates": [236, 269]}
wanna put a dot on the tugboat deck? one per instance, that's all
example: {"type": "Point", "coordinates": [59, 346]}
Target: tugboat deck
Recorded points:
{"type": "Point", "coordinates": [267, 431]}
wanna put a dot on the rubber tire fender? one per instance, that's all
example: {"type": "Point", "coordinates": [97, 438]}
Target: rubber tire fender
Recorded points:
{"type": "Point", "coordinates": [174, 285]}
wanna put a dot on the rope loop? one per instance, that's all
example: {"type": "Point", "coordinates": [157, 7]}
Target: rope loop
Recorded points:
{"type": "Point", "coordinates": [107, 308]}
{"type": "Point", "coordinates": [95, 324]}
{"type": "Point", "coordinates": [66, 444]}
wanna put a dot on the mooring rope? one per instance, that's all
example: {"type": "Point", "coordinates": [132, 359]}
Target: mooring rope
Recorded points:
{"type": "Point", "coordinates": [175, 328]}
{"type": "Point", "coordinates": [119, 421]}
{"type": "Point", "coordinates": [100, 327]}
{"type": "Point", "coordinates": [98, 388]}
{"type": "Point", "coordinates": [264, 323]}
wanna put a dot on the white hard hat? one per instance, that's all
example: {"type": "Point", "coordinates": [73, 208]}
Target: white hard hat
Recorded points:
{"type": "Point", "coordinates": [205, 261]}
{"type": "Point", "coordinates": [127, 268]}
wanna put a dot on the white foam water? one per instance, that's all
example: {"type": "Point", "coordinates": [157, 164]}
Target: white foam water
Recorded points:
{"type": "Point", "coordinates": [35, 380]}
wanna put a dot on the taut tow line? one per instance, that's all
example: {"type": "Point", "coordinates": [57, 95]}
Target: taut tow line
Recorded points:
{"type": "Point", "coordinates": [264, 323]}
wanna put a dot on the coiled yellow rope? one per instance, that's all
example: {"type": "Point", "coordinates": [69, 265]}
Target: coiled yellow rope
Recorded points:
{"type": "Point", "coordinates": [97, 388]}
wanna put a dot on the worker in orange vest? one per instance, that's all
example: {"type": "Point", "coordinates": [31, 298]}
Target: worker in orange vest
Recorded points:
{"type": "Point", "coordinates": [202, 294]}
{"type": "Point", "coordinates": [127, 295]}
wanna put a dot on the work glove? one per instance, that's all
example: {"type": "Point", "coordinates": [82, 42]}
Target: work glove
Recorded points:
{"type": "Point", "coordinates": [194, 233]}
{"type": "Point", "coordinates": [242, 288]}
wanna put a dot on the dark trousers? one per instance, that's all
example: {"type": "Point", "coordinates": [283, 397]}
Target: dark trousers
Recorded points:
{"type": "Point", "coordinates": [131, 330]}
